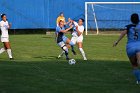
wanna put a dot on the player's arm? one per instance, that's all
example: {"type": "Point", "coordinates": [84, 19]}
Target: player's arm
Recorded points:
{"type": "Point", "coordinates": [56, 35]}
{"type": "Point", "coordinates": [76, 24]}
{"type": "Point", "coordinates": [57, 21]}
{"type": "Point", "coordinates": [69, 21]}
{"type": "Point", "coordinates": [123, 33]}
{"type": "Point", "coordinates": [9, 25]}
{"type": "Point", "coordinates": [64, 31]}
{"type": "Point", "coordinates": [79, 33]}
{"type": "Point", "coordinates": [65, 21]}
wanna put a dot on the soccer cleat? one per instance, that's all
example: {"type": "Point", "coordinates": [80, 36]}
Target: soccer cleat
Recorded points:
{"type": "Point", "coordinates": [85, 58]}
{"type": "Point", "coordinates": [74, 53]}
{"type": "Point", "coordinates": [67, 58]}
{"type": "Point", "coordinates": [59, 56]}
{"type": "Point", "coordinates": [11, 58]}
{"type": "Point", "coordinates": [138, 82]}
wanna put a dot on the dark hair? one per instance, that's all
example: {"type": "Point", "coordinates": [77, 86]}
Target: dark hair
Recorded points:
{"type": "Point", "coordinates": [82, 19]}
{"type": "Point", "coordinates": [61, 13]}
{"type": "Point", "coordinates": [135, 18]}
{"type": "Point", "coordinates": [2, 15]}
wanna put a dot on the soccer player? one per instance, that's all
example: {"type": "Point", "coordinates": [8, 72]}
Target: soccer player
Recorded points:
{"type": "Point", "coordinates": [77, 36]}
{"type": "Point", "coordinates": [133, 44]}
{"type": "Point", "coordinates": [61, 38]}
{"type": "Point", "coordinates": [60, 18]}
{"type": "Point", "coordinates": [4, 26]}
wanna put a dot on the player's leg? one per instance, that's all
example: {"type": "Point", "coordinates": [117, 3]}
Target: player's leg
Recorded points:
{"type": "Point", "coordinates": [8, 49]}
{"type": "Point", "coordinates": [62, 53]}
{"type": "Point", "coordinates": [73, 41]}
{"type": "Point", "coordinates": [133, 54]}
{"type": "Point", "coordinates": [80, 46]}
{"type": "Point", "coordinates": [2, 49]}
{"type": "Point", "coordinates": [64, 48]}
{"type": "Point", "coordinates": [68, 41]}
{"type": "Point", "coordinates": [136, 71]}
{"type": "Point", "coordinates": [66, 51]}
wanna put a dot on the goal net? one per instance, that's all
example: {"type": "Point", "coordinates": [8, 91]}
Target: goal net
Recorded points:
{"type": "Point", "coordinates": [108, 16]}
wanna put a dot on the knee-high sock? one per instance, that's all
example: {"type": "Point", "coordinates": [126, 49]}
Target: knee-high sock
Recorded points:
{"type": "Point", "coordinates": [2, 50]}
{"type": "Point", "coordinates": [66, 51]}
{"type": "Point", "coordinates": [9, 53]}
{"type": "Point", "coordinates": [72, 45]}
{"type": "Point", "coordinates": [83, 53]}
{"type": "Point", "coordinates": [136, 72]}
{"type": "Point", "coordinates": [63, 52]}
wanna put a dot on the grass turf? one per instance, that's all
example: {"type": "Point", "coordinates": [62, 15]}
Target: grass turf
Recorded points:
{"type": "Point", "coordinates": [36, 69]}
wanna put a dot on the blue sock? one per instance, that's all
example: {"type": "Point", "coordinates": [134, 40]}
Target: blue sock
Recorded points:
{"type": "Point", "coordinates": [72, 46]}
{"type": "Point", "coordinates": [136, 72]}
{"type": "Point", "coordinates": [71, 43]}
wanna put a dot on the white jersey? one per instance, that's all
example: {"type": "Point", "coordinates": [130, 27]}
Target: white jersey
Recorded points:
{"type": "Point", "coordinates": [4, 28]}
{"type": "Point", "coordinates": [80, 28]}
{"type": "Point", "coordinates": [75, 38]}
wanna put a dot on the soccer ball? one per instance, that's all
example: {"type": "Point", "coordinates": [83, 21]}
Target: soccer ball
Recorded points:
{"type": "Point", "coordinates": [72, 61]}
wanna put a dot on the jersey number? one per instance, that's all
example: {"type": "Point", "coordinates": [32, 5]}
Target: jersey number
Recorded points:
{"type": "Point", "coordinates": [135, 34]}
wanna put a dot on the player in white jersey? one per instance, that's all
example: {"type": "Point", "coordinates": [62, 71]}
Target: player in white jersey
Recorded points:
{"type": "Point", "coordinates": [77, 36]}
{"type": "Point", "coordinates": [4, 26]}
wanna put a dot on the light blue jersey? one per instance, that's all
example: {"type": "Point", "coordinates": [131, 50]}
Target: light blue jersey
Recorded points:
{"type": "Point", "coordinates": [133, 36]}
{"type": "Point", "coordinates": [61, 37]}
{"type": "Point", "coordinates": [133, 33]}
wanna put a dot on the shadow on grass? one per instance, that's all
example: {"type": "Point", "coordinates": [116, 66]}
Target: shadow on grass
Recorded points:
{"type": "Point", "coordinates": [46, 57]}
{"type": "Point", "coordinates": [47, 37]}
{"type": "Point", "coordinates": [57, 76]}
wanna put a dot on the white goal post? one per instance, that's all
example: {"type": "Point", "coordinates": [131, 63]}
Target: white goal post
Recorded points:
{"type": "Point", "coordinates": [94, 13]}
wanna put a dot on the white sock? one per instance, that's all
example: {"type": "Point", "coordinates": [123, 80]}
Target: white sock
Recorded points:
{"type": "Point", "coordinates": [9, 53]}
{"type": "Point", "coordinates": [2, 50]}
{"type": "Point", "coordinates": [63, 52]}
{"type": "Point", "coordinates": [83, 53]}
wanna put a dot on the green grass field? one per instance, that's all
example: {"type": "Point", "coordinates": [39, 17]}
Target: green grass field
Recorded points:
{"type": "Point", "coordinates": [36, 69]}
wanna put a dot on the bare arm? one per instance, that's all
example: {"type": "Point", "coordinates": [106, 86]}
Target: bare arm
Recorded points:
{"type": "Point", "coordinates": [64, 31]}
{"type": "Point", "coordinates": [9, 25]}
{"type": "Point", "coordinates": [123, 33]}
{"type": "Point", "coordinates": [56, 35]}
{"type": "Point", "coordinates": [57, 21]}
{"type": "Point", "coordinates": [79, 33]}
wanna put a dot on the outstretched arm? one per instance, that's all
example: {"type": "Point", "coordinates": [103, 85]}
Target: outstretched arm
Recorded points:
{"type": "Point", "coordinates": [64, 31]}
{"type": "Point", "coordinates": [123, 33]}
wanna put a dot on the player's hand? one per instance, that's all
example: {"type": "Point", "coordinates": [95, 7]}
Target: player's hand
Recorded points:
{"type": "Point", "coordinates": [10, 24]}
{"type": "Point", "coordinates": [115, 43]}
{"type": "Point", "coordinates": [71, 26]}
{"type": "Point", "coordinates": [69, 20]}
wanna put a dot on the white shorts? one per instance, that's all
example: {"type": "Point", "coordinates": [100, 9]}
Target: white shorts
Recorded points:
{"type": "Point", "coordinates": [4, 39]}
{"type": "Point", "coordinates": [77, 39]}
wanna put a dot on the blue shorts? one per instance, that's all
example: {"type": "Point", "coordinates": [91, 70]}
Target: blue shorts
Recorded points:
{"type": "Point", "coordinates": [64, 39]}
{"type": "Point", "coordinates": [133, 48]}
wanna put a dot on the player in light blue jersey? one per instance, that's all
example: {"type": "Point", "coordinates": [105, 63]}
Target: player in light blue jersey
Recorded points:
{"type": "Point", "coordinates": [61, 39]}
{"type": "Point", "coordinates": [133, 44]}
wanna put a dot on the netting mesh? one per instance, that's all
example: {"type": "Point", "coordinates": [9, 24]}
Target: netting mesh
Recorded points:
{"type": "Point", "coordinates": [110, 17]}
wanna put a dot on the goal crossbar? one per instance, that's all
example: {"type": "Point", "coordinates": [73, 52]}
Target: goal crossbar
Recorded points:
{"type": "Point", "coordinates": [86, 16]}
